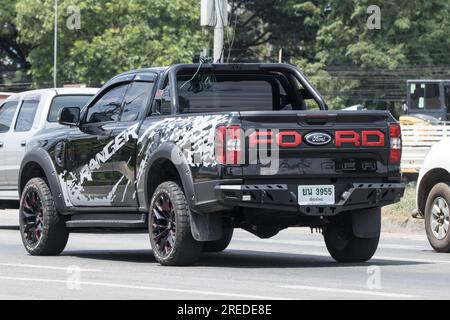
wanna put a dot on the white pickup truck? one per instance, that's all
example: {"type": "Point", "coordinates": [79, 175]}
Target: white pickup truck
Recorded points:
{"type": "Point", "coordinates": [22, 115]}
{"type": "Point", "coordinates": [433, 195]}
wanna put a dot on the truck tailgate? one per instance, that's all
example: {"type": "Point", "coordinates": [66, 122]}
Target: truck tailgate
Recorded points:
{"type": "Point", "coordinates": [319, 144]}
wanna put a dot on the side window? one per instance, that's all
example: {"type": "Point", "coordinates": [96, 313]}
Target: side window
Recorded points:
{"type": "Point", "coordinates": [108, 107]}
{"type": "Point", "coordinates": [166, 107]}
{"type": "Point", "coordinates": [136, 100]}
{"type": "Point", "coordinates": [161, 104]}
{"type": "Point", "coordinates": [425, 96]}
{"type": "Point", "coordinates": [7, 111]}
{"type": "Point", "coordinates": [26, 115]}
{"type": "Point", "coordinates": [447, 96]}
{"type": "Point", "coordinates": [432, 96]}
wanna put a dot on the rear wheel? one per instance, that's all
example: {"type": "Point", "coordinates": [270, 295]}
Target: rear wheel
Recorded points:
{"type": "Point", "coordinates": [42, 228]}
{"type": "Point", "coordinates": [344, 245]}
{"type": "Point", "coordinates": [221, 244]}
{"type": "Point", "coordinates": [437, 216]}
{"type": "Point", "coordinates": [169, 227]}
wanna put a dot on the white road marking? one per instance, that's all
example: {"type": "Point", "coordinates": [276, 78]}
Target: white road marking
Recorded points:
{"type": "Point", "coordinates": [125, 286]}
{"type": "Point", "coordinates": [350, 291]}
{"type": "Point", "coordinates": [18, 265]}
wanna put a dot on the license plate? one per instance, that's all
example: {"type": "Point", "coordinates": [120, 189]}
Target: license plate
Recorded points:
{"type": "Point", "coordinates": [316, 195]}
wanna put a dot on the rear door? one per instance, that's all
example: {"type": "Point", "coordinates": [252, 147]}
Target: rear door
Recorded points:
{"type": "Point", "coordinates": [17, 140]}
{"type": "Point", "coordinates": [7, 113]}
{"type": "Point", "coordinates": [136, 102]}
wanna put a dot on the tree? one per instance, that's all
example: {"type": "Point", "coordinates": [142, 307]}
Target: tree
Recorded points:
{"type": "Point", "coordinates": [114, 36]}
{"type": "Point", "coordinates": [371, 66]}
{"type": "Point", "coordinates": [259, 28]}
{"type": "Point", "coordinates": [12, 53]}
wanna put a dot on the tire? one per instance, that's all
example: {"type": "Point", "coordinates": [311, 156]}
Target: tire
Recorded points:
{"type": "Point", "coordinates": [42, 228]}
{"type": "Point", "coordinates": [221, 244]}
{"type": "Point", "coordinates": [437, 217]}
{"type": "Point", "coordinates": [344, 246]}
{"type": "Point", "coordinates": [169, 227]}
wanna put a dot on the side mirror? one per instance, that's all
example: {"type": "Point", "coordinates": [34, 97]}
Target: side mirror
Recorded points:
{"type": "Point", "coordinates": [69, 116]}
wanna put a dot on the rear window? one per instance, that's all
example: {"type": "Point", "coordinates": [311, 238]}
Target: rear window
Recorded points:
{"type": "Point", "coordinates": [425, 96]}
{"type": "Point", "coordinates": [205, 92]}
{"type": "Point", "coordinates": [226, 96]}
{"type": "Point", "coordinates": [65, 101]}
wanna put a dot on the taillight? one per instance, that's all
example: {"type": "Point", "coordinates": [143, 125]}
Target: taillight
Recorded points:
{"type": "Point", "coordinates": [395, 152]}
{"type": "Point", "coordinates": [228, 145]}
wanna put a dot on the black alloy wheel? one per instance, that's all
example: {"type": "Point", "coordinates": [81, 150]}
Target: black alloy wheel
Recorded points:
{"type": "Point", "coordinates": [32, 218]}
{"type": "Point", "coordinates": [163, 224]}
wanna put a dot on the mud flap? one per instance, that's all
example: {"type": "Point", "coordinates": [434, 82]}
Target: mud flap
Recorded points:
{"type": "Point", "coordinates": [366, 223]}
{"type": "Point", "coordinates": [206, 227]}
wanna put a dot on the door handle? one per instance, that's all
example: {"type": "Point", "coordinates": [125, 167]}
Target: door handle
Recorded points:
{"type": "Point", "coordinates": [23, 143]}
{"type": "Point", "coordinates": [1, 144]}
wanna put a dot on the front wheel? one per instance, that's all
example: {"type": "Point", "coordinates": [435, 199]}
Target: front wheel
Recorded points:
{"type": "Point", "coordinates": [344, 245]}
{"type": "Point", "coordinates": [169, 227]}
{"type": "Point", "coordinates": [42, 228]}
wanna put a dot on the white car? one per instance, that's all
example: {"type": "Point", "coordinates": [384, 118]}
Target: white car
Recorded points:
{"type": "Point", "coordinates": [433, 195]}
{"type": "Point", "coordinates": [22, 115]}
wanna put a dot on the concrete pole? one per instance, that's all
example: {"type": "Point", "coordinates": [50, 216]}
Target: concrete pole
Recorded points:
{"type": "Point", "coordinates": [219, 31]}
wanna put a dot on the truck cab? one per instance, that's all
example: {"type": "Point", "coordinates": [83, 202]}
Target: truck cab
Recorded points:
{"type": "Point", "coordinates": [429, 98]}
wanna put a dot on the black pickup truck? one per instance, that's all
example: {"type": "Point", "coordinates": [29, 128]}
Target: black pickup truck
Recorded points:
{"type": "Point", "coordinates": [192, 151]}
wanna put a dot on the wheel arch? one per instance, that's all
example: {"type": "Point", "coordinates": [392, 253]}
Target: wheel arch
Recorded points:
{"type": "Point", "coordinates": [37, 163]}
{"type": "Point", "coordinates": [166, 163]}
{"type": "Point", "coordinates": [428, 181]}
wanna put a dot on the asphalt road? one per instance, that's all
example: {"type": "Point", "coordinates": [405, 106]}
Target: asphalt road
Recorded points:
{"type": "Point", "coordinates": [293, 265]}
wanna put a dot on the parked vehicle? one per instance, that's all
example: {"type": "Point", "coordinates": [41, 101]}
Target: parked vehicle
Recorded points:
{"type": "Point", "coordinates": [191, 152]}
{"type": "Point", "coordinates": [425, 122]}
{"type": "Point", "coordinates": [22, 116]}
{"type": "Point", "coordinates": [429, 98]}
{"type": "Point", "coordinates": [433, 195]}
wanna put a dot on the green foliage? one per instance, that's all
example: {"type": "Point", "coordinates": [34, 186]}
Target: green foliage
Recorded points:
{"type": "Point", "coordinates": [13, 55]}
{"type": "Point", "coordinates": [349, 63]}
{"type": "Point", "coordinates": [371, 66]}
{"type": "Point", "coordinates": [114, 36]}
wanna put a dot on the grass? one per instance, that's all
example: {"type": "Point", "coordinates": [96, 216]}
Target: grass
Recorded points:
{"type": "Point", "coordinates": [402, 210]}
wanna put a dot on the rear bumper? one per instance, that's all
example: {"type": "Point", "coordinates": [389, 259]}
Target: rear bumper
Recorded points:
{"type": "Point", "coordinates": [283, 197]}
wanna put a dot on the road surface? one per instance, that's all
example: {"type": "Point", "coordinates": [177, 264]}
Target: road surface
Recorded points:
{"type": "Point", "coordinates": [293, 265]}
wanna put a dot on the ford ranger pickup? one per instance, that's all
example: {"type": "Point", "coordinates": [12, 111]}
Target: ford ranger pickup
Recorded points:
{"type": "Point", "coordinates": [192, 151]}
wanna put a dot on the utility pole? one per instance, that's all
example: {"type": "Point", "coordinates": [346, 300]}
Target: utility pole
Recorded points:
{"type": "Point", "coordinates": [55, 44]}
{"type": "Point", "coordinates": [219, 31]}
{"type": "Point", "coordinates": [214, 13]}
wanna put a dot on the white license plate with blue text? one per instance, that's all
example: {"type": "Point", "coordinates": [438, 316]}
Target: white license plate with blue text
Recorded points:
{"type": "Point", "coordinates": [316, 195]}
